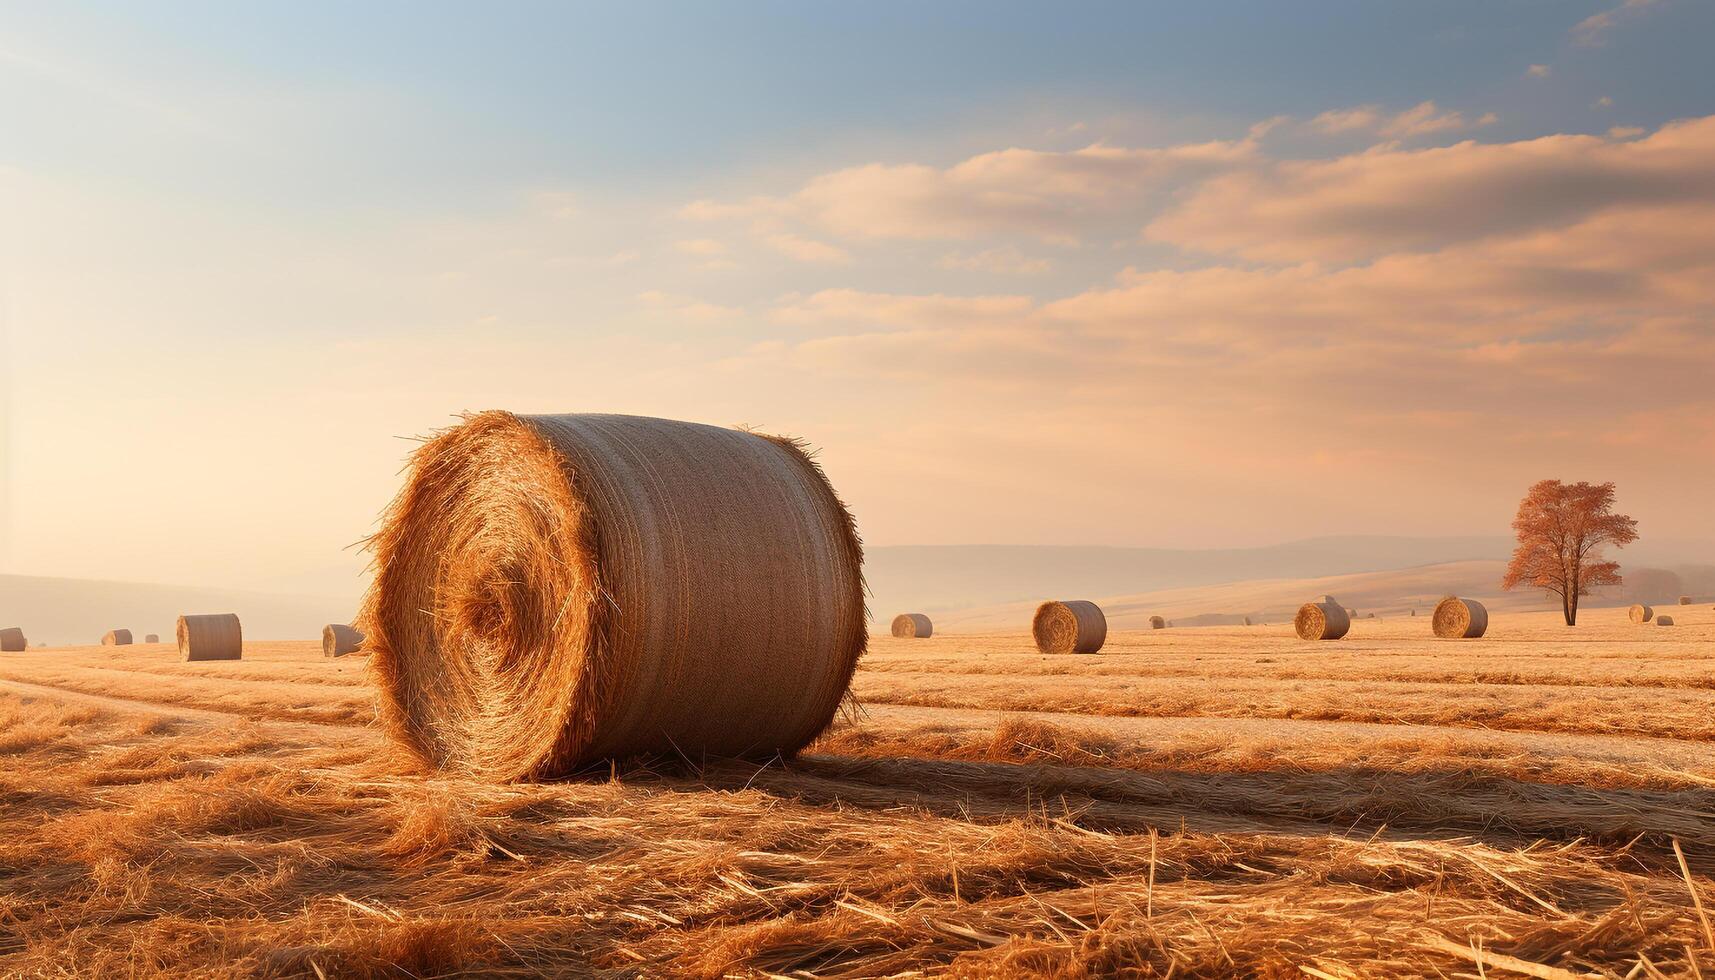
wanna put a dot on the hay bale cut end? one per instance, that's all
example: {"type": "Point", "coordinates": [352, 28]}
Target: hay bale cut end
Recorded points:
{"type": "Point", "coordinates": [913, 625]}
{"type": "Point", "coordinates": [12, 640]}
{"type": "Point", "coordinates": [1321, 621]}
{"type": "Point", "coordinates": [1072, 626]}
{"type": "Point", "coordinates": [1664, 620]}
{"type": "Point", "coordinates": [116, 638]}
{"type": "Point", "coordinates": [152, 638]}
{"type": "Point", "coordinates": [1685, 600]}
{"type": "Point", "coordinates": [1640, 613]}
{"type": "Point", "coordinates": [213, 637]}
{"type": "Point", "coordinates": [608, 586]}
{"type": "Point", "coordinates": [1157, 623]}
{"type": "Point", "coordinates": [339, 640]}
{"type": "Point", "coordinates": [1458, 618]}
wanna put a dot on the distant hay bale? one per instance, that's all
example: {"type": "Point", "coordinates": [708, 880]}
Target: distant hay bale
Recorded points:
{"type": "Point", "coordinates": [913, 625]}
{"type": "Point", "coordinates": [1322, 620]}
{"type": "Point", "coordinates": [1247, 620]}
{"type": "Point", "coordinates": [12, 640]}
{"type": "Point", "coordinates": [1457, 618]}
{"type": "Point", "coordinates": [1369, 615]}
{"type": "Point", "coordinates": [1640, 613]}
{"type": "Point", "coordinates": [339, 639]}
{"type": "Point", "coordinates": [1664, 620]}
{"type": "Point", "coordinates": [151, 638]}
{"type": "Point", "coordinates": [1157, 623]}
{"type": "Point", "coordinates": [1073, 626]}
{"type": "Point", "coordinates": [1685, 600]}
{"type": "Point", "coordinates": [116, 638]}
{"type": "Point", "coordinates": [607, 586]}
{"type": "Point", "coordinates": [213, 637]}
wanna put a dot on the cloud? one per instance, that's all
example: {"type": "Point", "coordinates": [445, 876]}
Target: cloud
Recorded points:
{"type": "Point", "coordinates": [1388, 199]}
{"type": "Point", "coordinates": [701, 246]}
{"type": "Point", "coordinates": [1426, 117]}
{"type": "Point", "coordinates": [1593, 30]}
{"type": "Point", "coordinates": [1346, 120]}
{"type": "Point", "coordinates": [807, 250]}
{"type": "Point", "coordinates": [1602, 103]}
{"type": "Point", "coordinates": [1539, 71]}
{"type": "Point", "coordinates": [997, 261]}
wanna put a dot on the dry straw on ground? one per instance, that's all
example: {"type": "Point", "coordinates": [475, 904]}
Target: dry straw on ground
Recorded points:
{"type": "Point", "coordinates": [152, 638]}
{"type": "Point", "coordinates": [1458, 618]}
{"type": "Point", "coordinates": [339, 639]}
{"type": "Point", "coordinates": [601, 586]}
{"type": "Point", "coordinates": [213, 637]}
{"type": "Point", "coordinates": [1157, 623]}
{"type": "Point", "coordinates": [1640, 613]}
{"type": "Point", "coordinates": [913, 625]}
{"type": "Point", "coordinates": [116, 638]}
{"type": "Point", "coordinates": [1073, 626]}
{"type": "Point", "coordinates": [12, 640]}
{"type": "Point", "coordinates": [1325, 620]}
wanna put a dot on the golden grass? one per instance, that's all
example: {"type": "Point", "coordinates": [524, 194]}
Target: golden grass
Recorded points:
{"type": "Point", "coordinates": [148, 839]}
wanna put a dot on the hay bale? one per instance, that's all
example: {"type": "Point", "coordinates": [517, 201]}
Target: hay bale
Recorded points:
{"type": "Point", "coordinates": [213, 637]}
{"type": "Point", "coordinates": [12, 640]}
{"type": "Point", "coordinates": [1324, 620]}
{"type": "Point", "coordinates": [339, 640]}
{"type": "Point", "coordinates": [152, 638]}
{"type": "Point", "coordinates": [1640, 613]}
{"type": "Point", "coordinates": [1685, 600]}
{"type": "Point", "coordinates": [1457, 618]}
{"type": "Point", "coordinates": [607, 586]}
{"type": "Point", "coordinates": [1157, 623]}
{"type": "Point", "coordinates": [1072, 626]}
{"type": "Point", "coordinates": [1664, 620]}
{"type": "Point", "coordinates": [1247, 620]}
{"type": "Point", "coordinates": [116, 638]}
{"type": "Point", "coordinates": [910, 625]}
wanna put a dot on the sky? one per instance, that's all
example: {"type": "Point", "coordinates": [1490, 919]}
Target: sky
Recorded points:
{"type": "Point", "coordinates": [1199, 275]}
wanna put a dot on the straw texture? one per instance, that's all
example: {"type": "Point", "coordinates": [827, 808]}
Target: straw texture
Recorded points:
{"type": "Point", "coordinates": [1664, 620]}
{"type": "Point", "coordinates": [1640, 613]}
{"type": "Point", "coordinates": [551, 591]}
{"type": "Point", "coordinates": [1157, 623]}
{"type": "Point", "coordinates": [116, 638]}
{"type": "Point", "coordinates": [910, 625]}
{"type": "Point", "coordinates": [1460, 619]}
{"type": "Point", "coordinates": [1073, 626]}
{"type": "Point", "coordinates": [12, 640]}
{"type": "Point", "coordinates": [339, 640]}
{"type": "Point", "coordinates": [214, 637]}
{"type": "Point", "coordinates": [1326, 620]}
{"type": "Point", "coordinates": [152, 638]}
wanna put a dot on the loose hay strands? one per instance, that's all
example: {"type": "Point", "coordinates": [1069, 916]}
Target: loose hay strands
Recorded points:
{"type": "Point", "coordinates": [116, 638]}
{"type": "Point", "coordinates": [1457, 618]}
{"type": "Point", "coordinates": [913, 625]}
{"type": "Point", "coordinates": [213, 637]}
{"type": "Point", "coordinates": [1073, 626]}
{"type": "Point", "coordinates": [12, 640]}
{"type": "Point", "coordinates": [1325, 620]}
{"type": "Point", "coordinates": [1158, 623]}
{"type": "Point", "coordinates": [1640, 613]}
{"type": "Point", "coordinates": [552, 591]}
{"type": "Point", "coordinates": [339, 640]}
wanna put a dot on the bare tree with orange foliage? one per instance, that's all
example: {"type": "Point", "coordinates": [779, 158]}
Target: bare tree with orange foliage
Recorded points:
{"type": "Point", "coordinates": [1562, 529]}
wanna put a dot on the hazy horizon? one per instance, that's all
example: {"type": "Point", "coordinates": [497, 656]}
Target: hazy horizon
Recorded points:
{"type": "Point", "coordinates": [1110, 277]}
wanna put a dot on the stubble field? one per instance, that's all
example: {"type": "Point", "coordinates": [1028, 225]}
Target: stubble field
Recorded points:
{"type": "Point", "coordinates": [1210, 801]}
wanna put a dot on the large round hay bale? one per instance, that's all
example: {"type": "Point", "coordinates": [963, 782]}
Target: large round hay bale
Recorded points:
{"type": "Point", "coordinates": [601, 586]}
{"type": "Point", "coordinates": [151, 638]}
{"type": "Point", "coordinates": [213, 637]}
{"type": "Point", "coordinates": [1664, 620]}
{"type": "Point", "coordinates": [1640, 613]}
{"type": "Point", "coordinates": [1457, 618]}
{"type": "Point", "coordinates": [1073, 626]}
{"type": "Point", "coordinates": [116, 638]}
{"type": "Point", "coordinates": [1157, 623]}
{"type": "Point", "coordinates": [1685, 600]}
{"type": "Point", "coordinates": [1324, 620]}
{"type": "Point", "coordinates": [339, 640]}
{"type": "Point", "coordinates": [910, 625]}
{"type": "Point", "coordinates": [12, 640]}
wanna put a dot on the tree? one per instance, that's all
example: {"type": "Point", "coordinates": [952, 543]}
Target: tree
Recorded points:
{"type": "Point", "coordinates": [1562, 529]}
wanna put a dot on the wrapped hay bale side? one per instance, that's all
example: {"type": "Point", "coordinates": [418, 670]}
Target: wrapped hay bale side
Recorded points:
{"type": "Point", "coordinates": [1325, 620]}
{"type": "Point", "coordinates": [12, 640]}
{"type": "Point", "coordinates": [913, 625]}
{"type": "Point", "coordinates": [339, 640]}
{"type": "Point", "coordinates": [604, 586]}
{"type": "Point", "coordinates": [1073, 626]}
{"type": "Point", "coordinates": [1640, 613]}
{"type": "Point", "coordinates": [116, 638]}
{"type": "Point", "coordinates": [218, 636]}
{"type": "Point", "coordinates": [1157, 623]}
{"type": "Point", "coordinates": [1458, 618]}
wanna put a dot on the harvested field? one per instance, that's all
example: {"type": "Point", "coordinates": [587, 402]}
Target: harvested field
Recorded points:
{"type": "Point", "coordinates": [1202, 802]}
